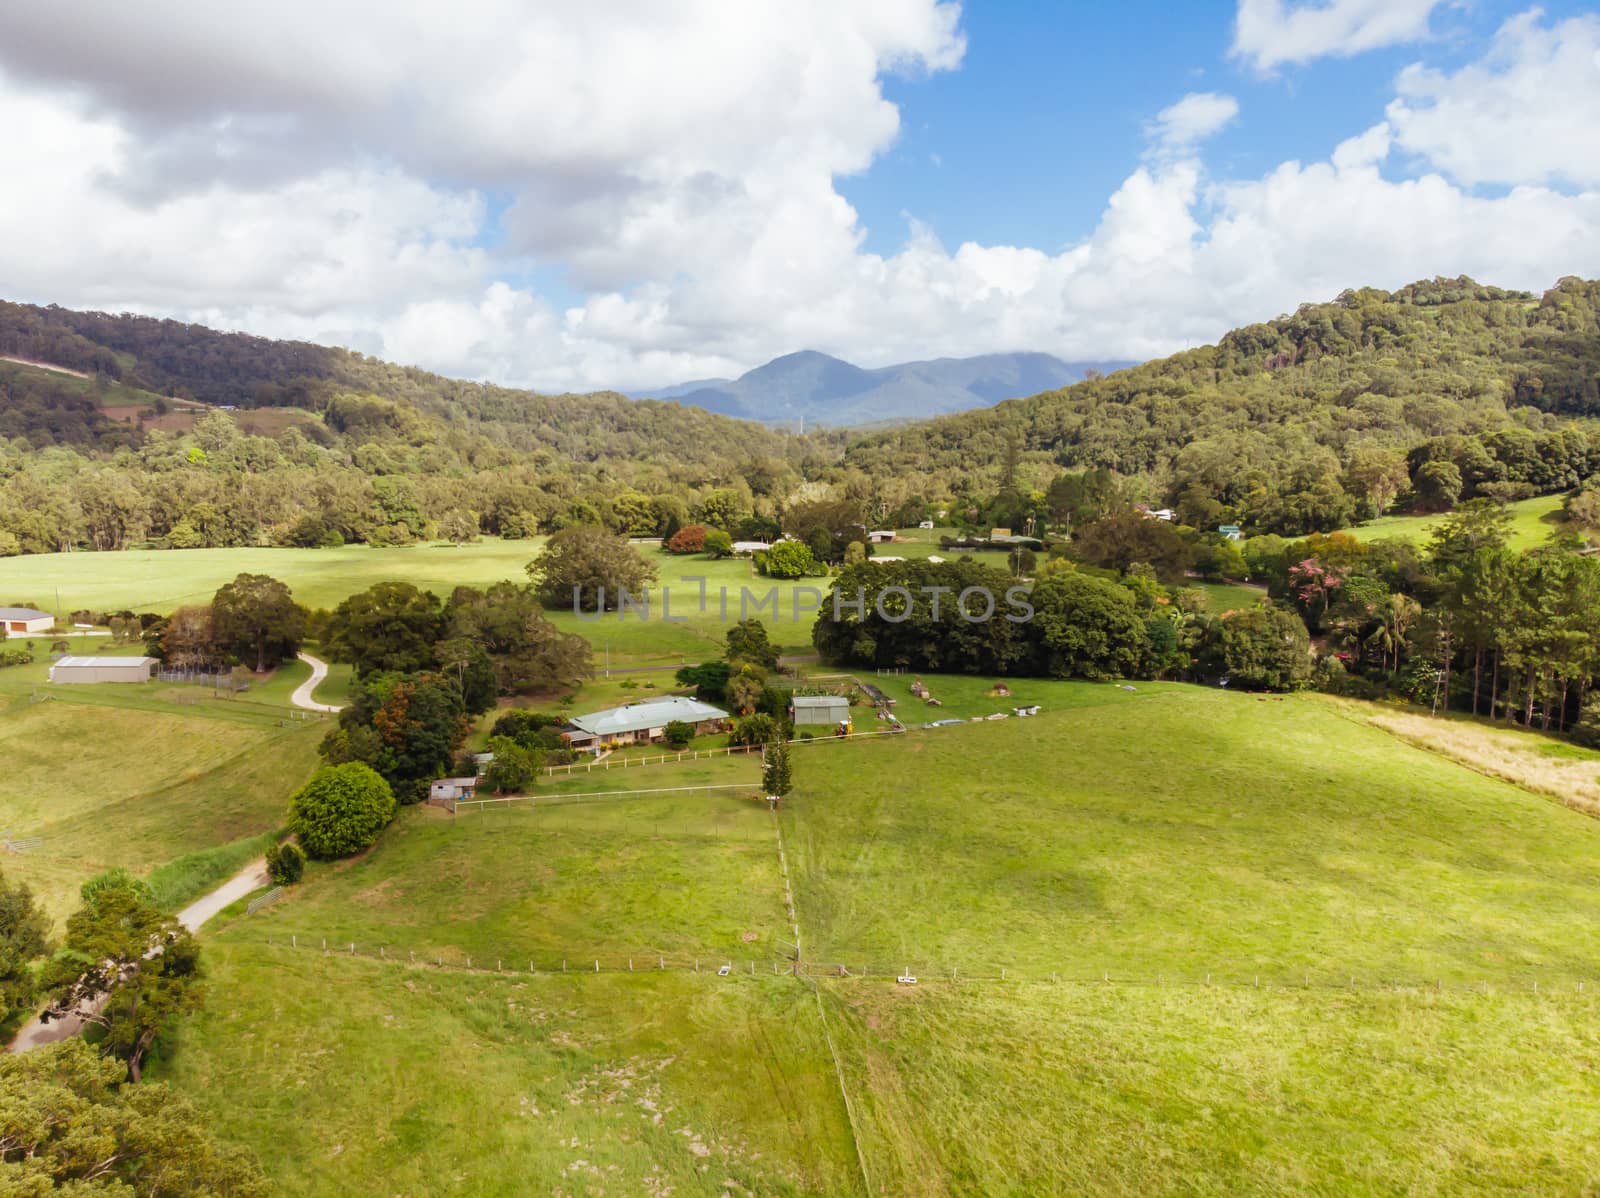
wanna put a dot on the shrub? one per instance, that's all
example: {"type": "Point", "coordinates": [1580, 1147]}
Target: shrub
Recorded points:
{"type": "Point", "coordinates": [341, 810]}
{"type": "Point", "coordinates": [691, 538]}
{"type": "Point", "coordinates": [757, 729]}
{"type": "Point", "coordinates": [718, 543]}
{"type": "Point", "coordinates": [678, 733]}
{"type": "Point", "coordinates": [285, 863]}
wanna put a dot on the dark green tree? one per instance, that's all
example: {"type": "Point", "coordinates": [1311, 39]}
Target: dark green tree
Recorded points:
{"type": "Point", "coordinates": [391, 626]}
{"type": "Point", "coordinates": [256, 618]}
{"type": "Point", "coordinates": [24, 937]}
{"type": "Point", "coordinates": [775, 769]}
{"type": "Point", "coordinates": [588, 569]}
{"type": "Point", "coordinates": [341, 810]}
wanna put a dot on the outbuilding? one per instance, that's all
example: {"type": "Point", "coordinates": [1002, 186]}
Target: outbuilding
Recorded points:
{"type": "Point", "coordinates": [446, 791]}
{"type": "Point", "coordinates": [881, 536]}
{"type": "Point", "coordinates": [25, 620]}
{"type": "Point", "coordinates": [813, 710]}
{"type": "Point", "coordinates": [103, 669]}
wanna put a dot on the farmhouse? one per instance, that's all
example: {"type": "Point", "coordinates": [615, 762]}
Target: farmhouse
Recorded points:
{"type": "Point", "coordinates": [637, 723]}
{"type": "Point", "coordinates": [103, 669]}
{"type": "Point", "coordinates": [831, 711]}
{"type": "Point", "coordinates": [25, 619]}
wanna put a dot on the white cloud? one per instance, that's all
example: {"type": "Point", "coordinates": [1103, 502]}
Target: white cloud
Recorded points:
{"type": "Point", "coordinates": [1528, 113]}
{"type": "Point", "coordinates": [365, 198]}
{"type": "Point", "coordinates": [1270, 33]}
{"type": "Point", "coordinates": [1191, 120]}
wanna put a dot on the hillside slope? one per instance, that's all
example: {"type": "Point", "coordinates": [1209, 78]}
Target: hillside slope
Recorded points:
{"type": "Point", "coordinates": [1303, 413]}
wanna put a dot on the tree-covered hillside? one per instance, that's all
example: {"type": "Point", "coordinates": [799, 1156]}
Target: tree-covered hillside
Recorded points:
{"type": "Point", "coordinates": [1311, 420]}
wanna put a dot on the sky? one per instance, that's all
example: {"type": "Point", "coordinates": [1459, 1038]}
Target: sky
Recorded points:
{"type": "Point", "coordinates": [580, 194]}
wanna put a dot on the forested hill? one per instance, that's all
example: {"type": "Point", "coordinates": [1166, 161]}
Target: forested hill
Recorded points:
{"type": "Point", "coordinates": [1309, 420]}
{"type": "Point", "coordinates": [170, 358]}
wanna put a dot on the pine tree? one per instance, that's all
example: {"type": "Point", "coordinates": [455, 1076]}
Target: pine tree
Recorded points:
{"type": "Point", "coordinates": [775, 773]}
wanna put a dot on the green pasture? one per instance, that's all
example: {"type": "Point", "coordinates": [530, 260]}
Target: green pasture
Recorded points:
{"type": "Point", "coordinates": [1532, 522]}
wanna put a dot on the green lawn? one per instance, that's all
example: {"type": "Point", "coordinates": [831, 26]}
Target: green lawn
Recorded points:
{"type": "Point", "coordinates": [353, 1077]}
{"type": "Point", "coordinates": [1533, 520]}
{"type": "Point", "coordinates": [1229, 596]}
{"type": "Point", "coordinates": [1348, 894]}
{"type": "Point", "coordinates": [1040, 1089]}
{"type": "Point", "coordinates": [1186, 831]}
{"type": "Point", "coordinates": [674, 630]}
{"type": "Point", "coordinates": [136, 775]}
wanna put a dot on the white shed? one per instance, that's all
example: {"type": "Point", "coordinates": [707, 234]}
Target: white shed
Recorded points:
{"type": "Point", "coordinates": [103, 669]}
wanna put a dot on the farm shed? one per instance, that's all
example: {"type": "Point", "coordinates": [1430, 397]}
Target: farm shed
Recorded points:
{"type": "Point", "coordinates": [881, 536]}
{"type": "Point", "coordinates": [812, 710]}
{"type": "Point", "coordinates": [103, 669]}
{"type": "Point", "coordinates": [25, 620]}
{"type": "Point", "coordinates": [637, 723]}
{"type": "Point", "coordinates": [448, 790]}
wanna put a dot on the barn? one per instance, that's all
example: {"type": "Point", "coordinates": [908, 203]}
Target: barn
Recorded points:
{"type": "Point", "coordinates": [829, 711]}
{"type": "Point", "coordinates": [25, 620]}
{"type": "Point", "coordinates": [103, 669]}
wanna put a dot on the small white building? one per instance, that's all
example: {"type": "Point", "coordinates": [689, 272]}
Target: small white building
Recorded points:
{"type": "Point", "coordinates": [881, 536]}
{"type": "Point", "coordinates": [745, 548]}
{"type": "Point", "coordinates": [103, 669]}
{"type": "Point", "coordinates": [925, 524]}
{"type": "Point", "coordinates": [450, 790]}
{"type": "Point", "coordinates": [25, 620]}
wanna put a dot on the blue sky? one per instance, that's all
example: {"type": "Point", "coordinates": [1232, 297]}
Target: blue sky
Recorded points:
{"type": "Point", "coordinates": [597, 193]}
{"type": "Point", "coordinates": [1046, 115]}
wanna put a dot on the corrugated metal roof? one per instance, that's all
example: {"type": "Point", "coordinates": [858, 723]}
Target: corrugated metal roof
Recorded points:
{"type": "Point", "coordinates": [105, 661]}
{"type": "Point", "coordinates": [24, 613]}
{"type": "Point", "coordinates": [827, 702]}
{"type": "Point", "coordinates": [655, 713]}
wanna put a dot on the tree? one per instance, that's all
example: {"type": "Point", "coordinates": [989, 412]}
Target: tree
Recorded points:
{"type": "Point", "coordinates": [458, 526]}
{"type": "Point", "coordinates": [790, 559]}
{"type": "Point", "coordinates": [286, 863]}
{"type": "Point", "coordinates": [718, 544]}
{"type": "Point", "coordinates": [1438, 485]}
{"type": "Point", "coordinates": [1264, 648]}
{"type": "Point", "coordinates": [1088, 627]}
{"type": "Point", "coordinates": [775, 777]}
{"type": "Point", "coordinates": [747, 683]}
{"type": "Point", "coordinates": [758, 729]}
{"type": "Point", "coordinates": [388, 626]}
{"type": "Point", "coordinates": [407, 727]}
{"type": "Point", "coordinates": [515, 767]}
{"type": "Point", "coordinates": [186, 640]}
{"type": "Point", "coordinates": [24, 936]}
{"type": "Point", "coordinates": [691, 538]}
{"type": "Point", "coordinates": [678, 733]}
{"type": "Point", "coordinates": [255, 616]}
{"type": "Point", "coordinates": [748, 641]}
{"type": "Point", "coordinates": [341, 810]}
{"type": "Point", "coordinates": [710, 680]}
{"type": "Point", "coordinates": [126, 967]}
{"type": "Point", "coordinates": [588, 569]}
{"type": "Point", "coordinates": [1117, 541]}
{"type": "Point", "coordinates": [72, 1127]}
{"type": "Point", "coordinates": [527, 652]}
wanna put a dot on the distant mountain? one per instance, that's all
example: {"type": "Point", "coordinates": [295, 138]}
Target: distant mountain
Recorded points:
{"type": "Point", "coordinates": [815, 389]}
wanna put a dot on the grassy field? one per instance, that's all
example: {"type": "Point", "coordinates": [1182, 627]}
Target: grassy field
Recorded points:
{"type": "Point", "coordinates": [675, 629]}
{"type": "Point", "coordinates": [1186, 831]}
{"type": "Point", "coordinates": [1038, 1089]}
{"type": "Point", "coordinates": [1251, 946]}
{"type": "Point", "coordinates": [1532, 521]}
{"type": "Point", "coordinates": [135, 776]}
{"type": "Point", "coordinates": [354, 1077]}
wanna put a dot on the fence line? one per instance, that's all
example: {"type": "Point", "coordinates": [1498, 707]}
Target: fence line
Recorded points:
{"type": "Point", "coordinates": [456, 804]}
{"type": "Point", "coordinates": [712, 965]}
{"type": "Point", "coordinates": [265, 900]}
{"type": "Point", "coordinates": [695, 754]}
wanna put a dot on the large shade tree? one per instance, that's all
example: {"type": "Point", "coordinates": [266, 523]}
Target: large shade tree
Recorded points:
{"type": "Point", "coordinates": [256, 618]}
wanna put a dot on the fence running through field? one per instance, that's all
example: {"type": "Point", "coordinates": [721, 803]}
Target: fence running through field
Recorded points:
{"type": "Point", "coordinates": [865, 971]}
{"type": "Point", "coordinates": [619, 762]}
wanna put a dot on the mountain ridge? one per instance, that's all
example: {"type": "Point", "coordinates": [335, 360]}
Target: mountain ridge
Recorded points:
{"type": "Point", "coordinates": [811, 388]}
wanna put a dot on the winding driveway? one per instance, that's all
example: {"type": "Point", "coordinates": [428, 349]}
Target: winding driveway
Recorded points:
{"type": "Point", "coordinates": [302, 693]}
{"type": "Point", "coordinates": [35, 1034]}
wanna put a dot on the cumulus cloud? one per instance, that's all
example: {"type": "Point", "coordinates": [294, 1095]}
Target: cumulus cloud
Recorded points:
{"type": "Point", "coordinates": [1271, 33]}
{"type": "Point", "coordinates": [1191, 120]}
{"type": "Point", "coordinates": [675, 170]}
{"type": "Point", "coordinates": [1528, 112]}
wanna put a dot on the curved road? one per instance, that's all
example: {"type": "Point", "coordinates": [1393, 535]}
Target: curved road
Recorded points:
{"type": "Point", "coordinates": [35, 1034]}
{"type": "Point", "coordinates": [302, 693]}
